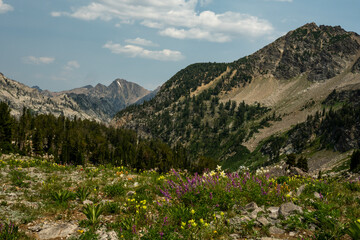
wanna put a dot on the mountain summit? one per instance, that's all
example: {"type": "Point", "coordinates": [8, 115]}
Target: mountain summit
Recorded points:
{"type": "Point", "coordinates": [218, 109]}
{"type": "Point", "coordinates": [99, 103]}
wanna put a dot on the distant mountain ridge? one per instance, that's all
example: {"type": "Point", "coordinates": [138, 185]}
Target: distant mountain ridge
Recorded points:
{"type": "Point", "coordinates": [222, 110]}
{"type": "Point", "coordinates": [99, 103]}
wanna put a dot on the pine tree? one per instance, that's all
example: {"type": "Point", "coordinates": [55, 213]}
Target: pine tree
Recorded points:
{"type": "Point", "coordinates": [5, 128]}
{"type": "Point", "coordinates": [291, 160]}
{"type": "Point", "coordinates": [355, 161]}
{"type": "Point", "coordinates": [302, 163]}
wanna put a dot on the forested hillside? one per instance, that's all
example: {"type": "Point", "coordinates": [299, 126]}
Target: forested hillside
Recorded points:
{"type": "Point", "coordinates": [83, 141]}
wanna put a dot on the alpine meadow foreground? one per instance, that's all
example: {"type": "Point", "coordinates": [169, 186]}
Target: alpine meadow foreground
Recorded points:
{"type": "Point", "coordinates": [45, 200]}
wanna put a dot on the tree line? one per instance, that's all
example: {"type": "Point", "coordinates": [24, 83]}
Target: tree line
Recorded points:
{"type": "Point", "coordinates": [77, 141]}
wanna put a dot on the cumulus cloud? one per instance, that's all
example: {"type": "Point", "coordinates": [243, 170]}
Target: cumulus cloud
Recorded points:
{"type": "Point", "coordinates": [38, 60]}
{"type": "Point", "coordinates": [5, 7]}
{"type": "Point", "coordinates": [71, 65]}
{"type": "Point", "coordinates": [137, 51]}
{"type": "Point", "coordinates": [141, 41]}
{"type": "Point", "coordinates": [175, 18]}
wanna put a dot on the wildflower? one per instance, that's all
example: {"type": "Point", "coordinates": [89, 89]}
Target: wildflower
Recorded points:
{"type": "Point", "coordinates": [80, 231]}
{"type": "Point", "coordinates": [215, 231]}
{"type": "Point", "coordinates": [358, 220]}
{"type": "Point", "coordinates": [218, 168]}
{"type": "Point", "coordinates": [201, 221]}
{"type": "Point", "coordinates": [183, 224]}
{"type": "Point", "coordinates": [222, 214]}
{"type": "Point", "coordinates": [192, 211]}
{"type": "Point", "coordinates": [206, 224]}
{"type": "Point", "coordinates": [144, 207]}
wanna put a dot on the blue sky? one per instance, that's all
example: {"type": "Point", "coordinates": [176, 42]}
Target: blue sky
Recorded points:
{"type": "Point", "coordinates": [63, 44]}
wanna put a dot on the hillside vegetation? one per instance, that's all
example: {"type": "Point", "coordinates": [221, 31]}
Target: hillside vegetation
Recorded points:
{"type": "Point", "coordinates": [223, 110]}
{"type": "Point", "coordinates": [45, 200]}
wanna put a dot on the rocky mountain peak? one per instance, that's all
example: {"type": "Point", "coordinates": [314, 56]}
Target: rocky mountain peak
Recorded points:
{"type": "Point", "coordinates": [320, 52]}
{"type": "Point", "coordinates": [99, 103]}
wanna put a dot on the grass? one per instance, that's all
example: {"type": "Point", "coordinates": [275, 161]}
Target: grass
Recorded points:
{"type": "Point", "coordinates": [175, 205]}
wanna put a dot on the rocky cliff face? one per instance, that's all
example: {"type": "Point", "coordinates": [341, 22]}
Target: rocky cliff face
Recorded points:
{"type": "Point", "coordinates": [99, 103]}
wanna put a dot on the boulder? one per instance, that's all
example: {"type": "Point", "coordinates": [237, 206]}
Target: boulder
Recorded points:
{"type": "Point", "coordinates": [237, 221]}
{"type": "Point", "coordinates": [273, 212]}
{"type": "Point", "coordinates": [55, 230]}
{"type": "Point", "coordinates": [276, 230]}
{"type": "Point", "coordinates": [289, 208]}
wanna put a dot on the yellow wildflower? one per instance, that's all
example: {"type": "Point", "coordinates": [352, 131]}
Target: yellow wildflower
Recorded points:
{"type": "Point", "coordinates": [192, 211]}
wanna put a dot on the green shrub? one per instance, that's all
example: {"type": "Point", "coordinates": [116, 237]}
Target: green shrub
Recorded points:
{"type": "Point", "coordinates": [83, 193]}
{"type": "Point", "coordinates": [62, 196]}
{"type": "Point", "coordinates": [354, 229]}
{"type": "Point", "coordinates": [93, 212]}
{"type": "Point", "coordinates": [18, 178]}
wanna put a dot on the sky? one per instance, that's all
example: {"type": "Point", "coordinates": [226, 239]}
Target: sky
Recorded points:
{"type": "Point", "coordinates": [64, 44]}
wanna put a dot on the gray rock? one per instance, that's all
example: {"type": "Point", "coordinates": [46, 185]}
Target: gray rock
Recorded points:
{"type": "Point", "coordinates": [234, 236]}
{"type": "Point", "coordinates": [274, 221]}
{"type": "Point", "coordinates": [85, 202]}
{"type": "Point", "coordinates": [104, 235]}
{"type": "Point", "coordinates": [263, 221]}
{"type": "Point", "coordinates": [289, 208]}
{"type": "Point", "coordinates": [317, 195]}
{"type": "Point", "coordinates": [251, 206]}
{"type": "Point", "coordinates": [276, 230]}
{"type": "Point", "coordinates": [292, 234]}
{"type": "Point", "coordinates": [57, 230]}
{"type": "Point", "coordinates": [300, 190]}
{"type": "Point", "coordinates": [254, 213]}
{"type": "Point", "coordinates": [273, 212]}
{"type": "Point", "coordinates": [130, 193]}
{"type": "Point", "coordinates": [237, 221]}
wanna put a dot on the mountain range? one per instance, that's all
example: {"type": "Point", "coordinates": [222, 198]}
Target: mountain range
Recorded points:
{"type": "Point", "coordinates": [299, 94]}
{"type": "Point", "coordinates": [228, 110]}
{"type": "Point", "coordinates": [99, 103]}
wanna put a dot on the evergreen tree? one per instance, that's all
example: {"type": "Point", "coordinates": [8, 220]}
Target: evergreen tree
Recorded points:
{"type": "Point", "coordinates": [355, 161]}
{"type": "Point", "coordinates": [302, 163]}
{"type": "Point", "coordinates": [291, 160]}
{"type": "Point", "coordinates": [5, 128]}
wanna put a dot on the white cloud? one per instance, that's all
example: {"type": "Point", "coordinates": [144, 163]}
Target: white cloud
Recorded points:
{"type": "Point", "coordinates": [141, 41]}
{"type": "Point", "coordinates": [194, 33]}
{"type": "Point", "coordinates": [38, 60]}
{"type": "Point", "coordinates": [136, 51]}
{"type": "Point", "coordinates": [71, 65]}
{"type": "Point", "coordinates": [5, 7]}
{"type": "Point", "coordinates": [175, 18]}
